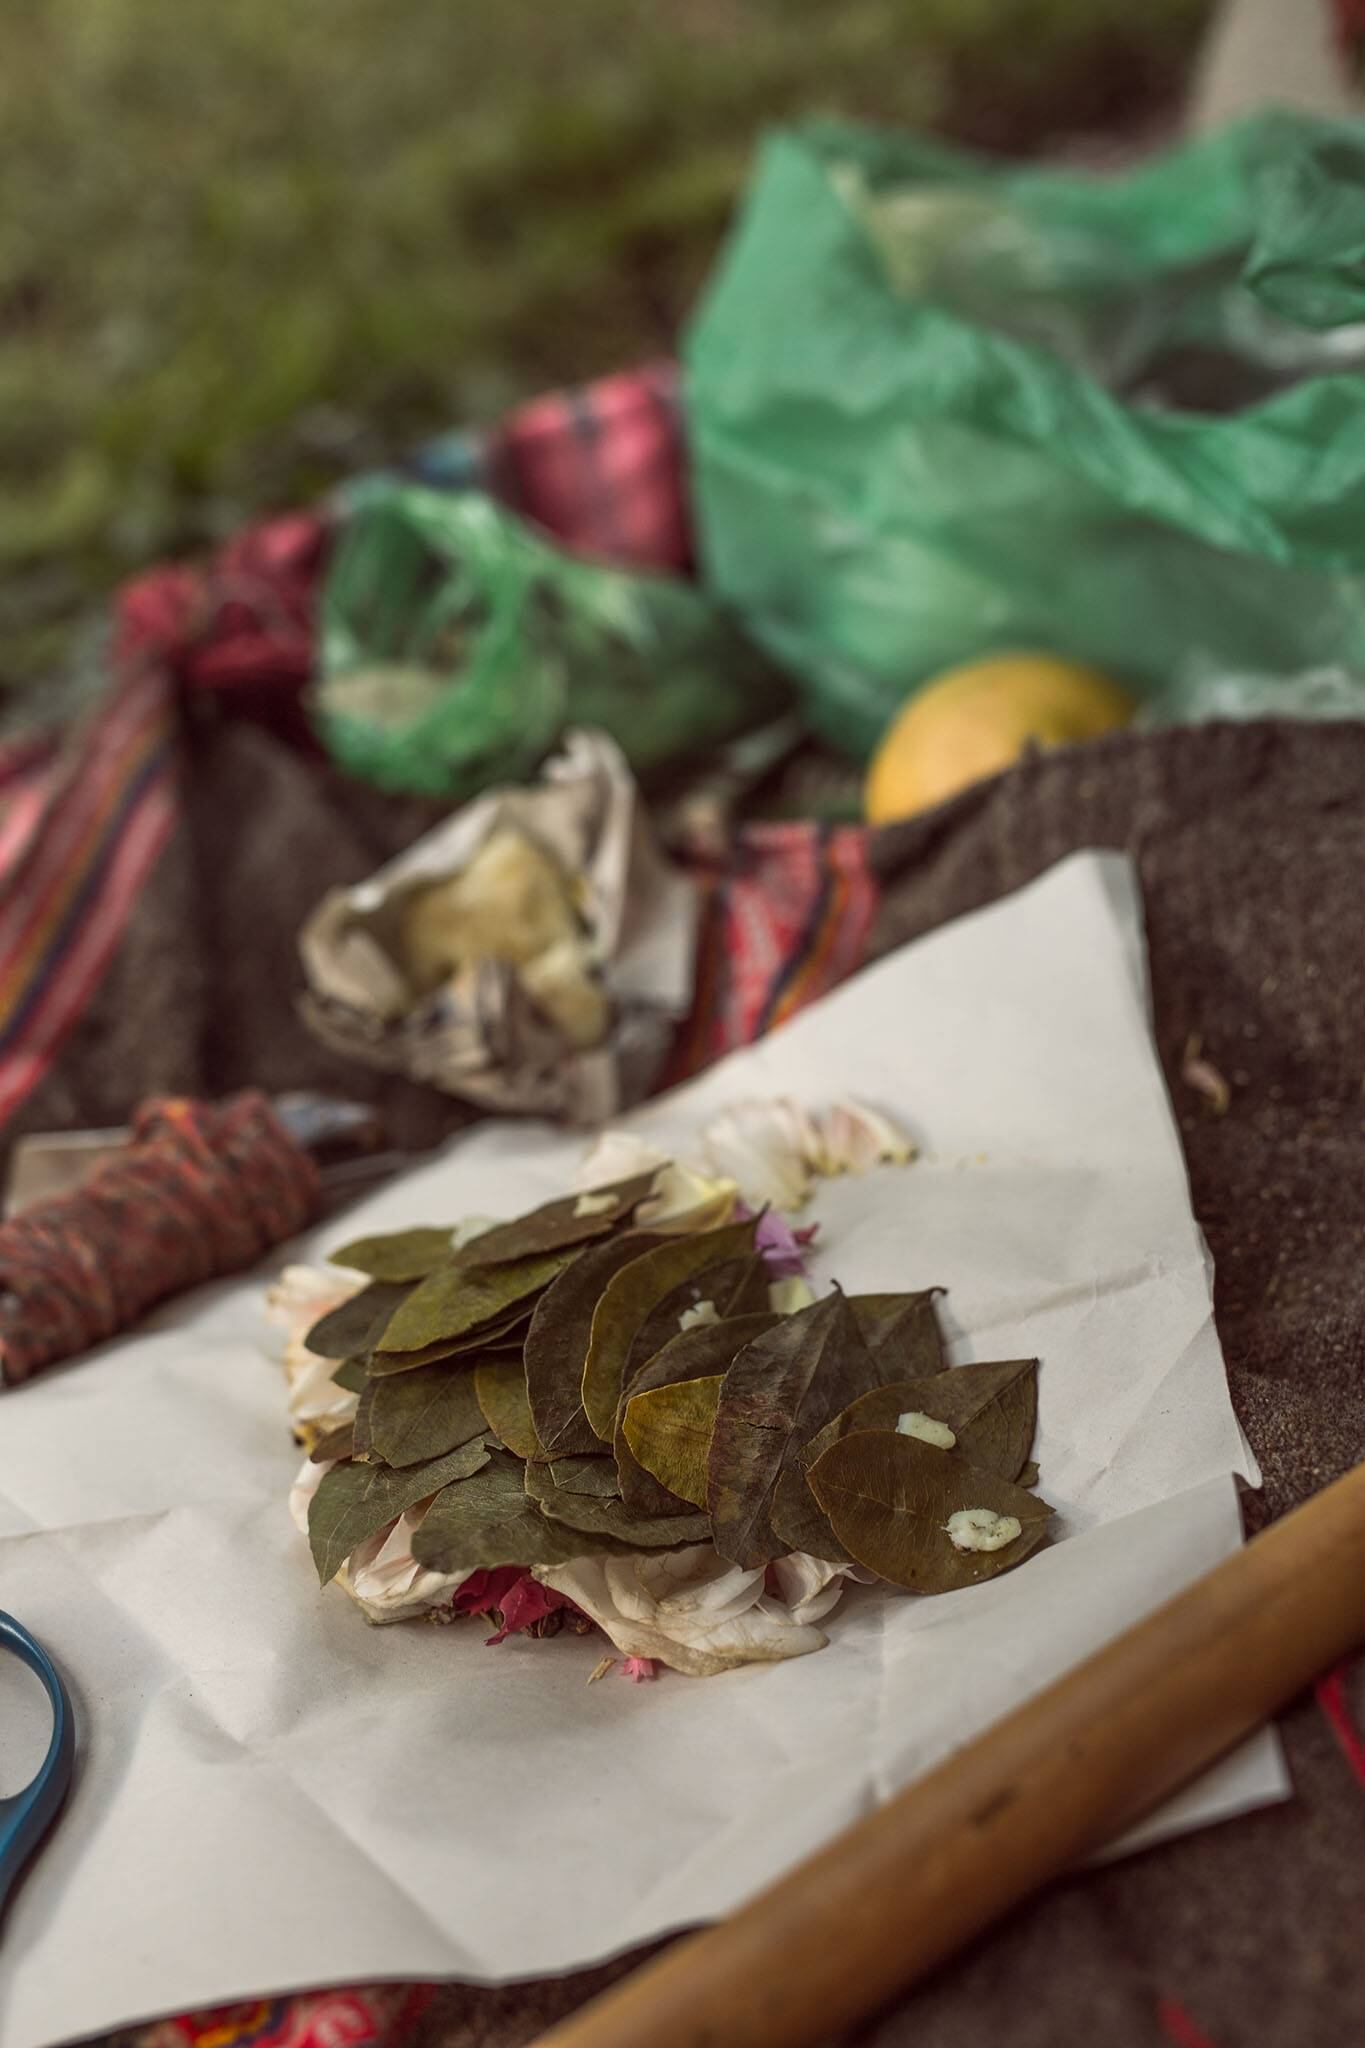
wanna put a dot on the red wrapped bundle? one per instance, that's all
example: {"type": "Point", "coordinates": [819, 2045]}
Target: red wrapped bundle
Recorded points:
{"type": "Point", "coordinates": [201, 1189]}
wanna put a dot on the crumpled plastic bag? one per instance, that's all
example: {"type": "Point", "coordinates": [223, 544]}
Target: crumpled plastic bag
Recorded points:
{"type": "Point", "coordinates": [940, 408]}
{"type": "Point", "coordinates": [533, 954]}
{"type": "Point", "coordinates": [458, 645]}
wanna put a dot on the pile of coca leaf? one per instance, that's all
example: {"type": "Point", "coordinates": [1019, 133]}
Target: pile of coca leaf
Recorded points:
{"type": "Point", "coordinates": [570, 1383]}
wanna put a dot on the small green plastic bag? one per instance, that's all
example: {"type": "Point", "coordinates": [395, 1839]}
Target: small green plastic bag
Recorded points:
{"type": "Point", "coordinates": [941, 408]}
{"type": "Point", "coordinates": [457, 646]}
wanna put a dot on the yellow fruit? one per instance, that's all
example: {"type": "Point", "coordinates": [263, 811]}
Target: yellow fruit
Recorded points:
{"type": "Point", "coordinates": [974, 721]}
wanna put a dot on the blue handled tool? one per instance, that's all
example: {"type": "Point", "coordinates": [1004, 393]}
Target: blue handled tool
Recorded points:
{"type": "Point", "coordinates": [26, 1817]}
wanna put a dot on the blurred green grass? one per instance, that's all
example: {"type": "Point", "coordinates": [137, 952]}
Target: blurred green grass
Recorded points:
{"type": "Point", "coordinates": [248, 249]}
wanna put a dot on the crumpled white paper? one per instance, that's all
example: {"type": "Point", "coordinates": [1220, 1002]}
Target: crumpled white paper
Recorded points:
{"type": "Point", "coordinates": [273, 1793]}
{"type": "Point", "coordinates": [481, 1036]}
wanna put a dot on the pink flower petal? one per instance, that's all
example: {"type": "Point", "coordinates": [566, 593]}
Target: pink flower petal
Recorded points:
{"type": "Point", "coordinates": [639, 1668]}
{"type": "Point", "coordinates": [782, 1247]}
{"type": "Point", "coordinates": [526, 1603]}
{"type": "Point", "coordinates": [483, 1591]}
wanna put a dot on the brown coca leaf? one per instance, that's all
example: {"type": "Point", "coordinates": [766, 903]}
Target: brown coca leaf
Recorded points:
{"type": "Point", "coordinates": [569, 1220]}
{"type": "Point", "coordinates": [557, 1343]}
{"type": "Point", "coordinates": [891, 1499]}
{"type": "Point", "coordinates": [780, 1390]}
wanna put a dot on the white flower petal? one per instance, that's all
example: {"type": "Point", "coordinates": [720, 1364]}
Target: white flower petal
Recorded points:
{"type": "Point", "coordinates": [386, 1581]}
{"type": "Point", "coordinates": [787, 1297]}
{"type": "Point", "coordinates": [617, 1155]}
{"type": "Point", "coordinates": [811, 1586]}
{"type": "Point", "coordinates": [306, 1484]}
{"type": "Point", "coordinates": [711, 1616]}
{"type": "Point", "coordinates": [765, 1147]}
{"type": "Point", "coordinates": [298, 1299]}
{"type": "Point", "coordinates": [685, 1200]}
{"type": "Point", "coordinates": [472, 1226]}
{"type": "Point", "coordinates": [314, 1395]}
{"type": "Point", "coordinates": [851, 1138]}
{"type": "Point", "coordinates": [303, 1293]}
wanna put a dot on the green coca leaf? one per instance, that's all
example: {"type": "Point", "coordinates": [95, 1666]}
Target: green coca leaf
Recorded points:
{"type": "Point", "coordinates": [557, 1343]}
{"type": "Point", "coordinates": [412, 1416]}
{"type": "Point", "coordinates": [352, 1374]}
{"type": "Point", "coordinates": [698, 1353]}
{"type": "Point", "coordinates": [600, 1516]}
{"type": "Point", "coordinates": [500, 1384]}
{"type": "Point", "coordinates": [356, 1325]}
{"type": "Point", "coordinates": [571, 1220]}
{"type": "Point", "coordinates": [735, 1287]}
{"type": "Point", "coordinates": [628, 1298]}
{"type": "Point", "coordinates": [780, 1390]}
{"type": "Point", "coordinates": [889, 1499]}
{"type": "Point", "coordinates": [354, 1502]}
{"type": "Point", "coordinates": [457, 1301]}
{"type": "Point", "coordinates": [668, 1432]}
{"type": "Point", "coordinates": [505, 1335]}
{"type": "Point", "coordinates": [335, 1445]}
{"type": "Point", "coordinates": [594, 1475]}
{"type": "Point", "coordinates": [487, 1520]}
{"type": "Point", "coordinates": [402, 1255]}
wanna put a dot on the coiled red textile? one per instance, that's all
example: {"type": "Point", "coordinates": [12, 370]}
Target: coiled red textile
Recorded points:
{"type": "Point", "coordinates": [202, 1189]}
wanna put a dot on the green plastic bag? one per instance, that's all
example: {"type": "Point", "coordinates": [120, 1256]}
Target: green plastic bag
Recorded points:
{"type": "Point", "coordinates": [457, 646]}
{"type": "Point", "coordinates": [941, 408]}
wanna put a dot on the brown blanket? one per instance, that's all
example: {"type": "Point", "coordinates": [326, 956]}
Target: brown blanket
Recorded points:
{"type": "Point", "coordinates": [1250, 843]}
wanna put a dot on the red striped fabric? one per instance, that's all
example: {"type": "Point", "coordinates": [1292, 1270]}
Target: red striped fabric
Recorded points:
{"type": "Point", "coordinates": [79, 831]}
{"type": "Point", "coordinates": [1335, 1700]}
{"type": "Point", "coordinates": [787, 923]}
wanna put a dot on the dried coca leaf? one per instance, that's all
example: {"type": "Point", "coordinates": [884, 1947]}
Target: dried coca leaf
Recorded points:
{"type": "Point", "coordinates": [412, 1416]}
{"type": "Point", "coordinates": [902, 1332]}
{"type": "Point", "coordinates": [401, 1255]}
{"type": "Point", "coordinates": [778, 1392]}
{"type": "Point", "coordinates": [356, 1325]}
{"type": "Point", "coordinates": [352, 1374]}
{"type": "Point", "coordinates": [570, 1220]}
{"type": "Point", "coordinates": [557, 1343]}
{"type": "Point", "coordinates": [456, 1301]}
{"type": "Point", "coordinates": [595, 1475]}
{"type": "Point", "coordinates": [628, 1298]}
{"type": "Point", "coordinates": [736, 1287]}
{"type": "Point", "coordinates": [798, 1518]}
{"type": "Point", "coordinates": [1029, 1475]}
{"type": "Point", "coordinates": [504, 1335]}
{"type": "Point", "coordinates": [668, 1430]}
{"type": "Point", "coordinates": [704, 1350]}
{"type": "Point", "coordinates": [889, 1497]}
{"type": "Point", "coordinates": [605, 1517]}
{"type": "Point", "coordinates": [354, 1502]}
{"type": "Point", "coordinates": [500, 1384]}
{"type": "Point", "coordinates": [487, 1520]}
{"type": "Point", "coordinates": [991, 1409]}
{"type": "Point", "coordinates": [335, 1445]}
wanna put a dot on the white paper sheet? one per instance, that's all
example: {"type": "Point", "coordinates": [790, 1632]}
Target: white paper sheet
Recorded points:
{"type": "Point", "coordinates": [272, 1792]}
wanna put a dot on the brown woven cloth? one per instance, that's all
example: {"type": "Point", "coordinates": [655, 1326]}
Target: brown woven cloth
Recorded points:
{"type": "Point", "coordinates": [1250, 842]}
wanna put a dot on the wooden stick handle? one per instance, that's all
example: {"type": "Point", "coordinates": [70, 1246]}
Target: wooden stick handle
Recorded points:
{"type": "Point", "coordinates": [1055, 1780]}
